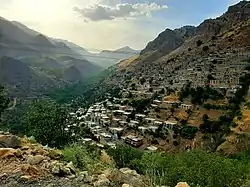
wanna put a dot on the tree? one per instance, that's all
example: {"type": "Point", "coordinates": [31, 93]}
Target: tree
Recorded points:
{"type": "Point", "coordinates": [46, 121]}
{"type": "Point", "coordinates": [4, 100]}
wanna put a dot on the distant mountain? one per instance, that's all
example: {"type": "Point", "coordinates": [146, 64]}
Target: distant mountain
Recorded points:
{"type": "Point", "coordinates": [42, 60]}
{"type": "Point", "coordinates": [25, 28]}
{"type": "Point", "coordinates": [105, 58]}
{"type": "Point", "coordinates": [23, 81]}
{"type": "Point", "coordinates": [108, 58]}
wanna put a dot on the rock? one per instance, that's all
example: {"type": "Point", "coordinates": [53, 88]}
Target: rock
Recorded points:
{"type": "Point", "coordinates": [26, 178]}
{"type": "Point", "coordinates": [54, 154]}
{"type": "Point", "coordinates": [7, 153]}
{"type": "Point", "coordinates": [38, 150]}
{"type": "Point", "coordinates": [125, 176]}
{"type": "Point", "coordinates": [126, 185]}
{"type": "Point", "coordinates": [56, 168]}
{"type": "Point", "coordinates": [84, 177]}
{"type": "Point", "coordinates": [129, 171]}
{"type": "Point", "coordinates": [9, 141]}
{"type": "Point", "coordinates": [3, 176]}
{"type": "Point", "coordinates": [102, 183]}
{"type": "Point", "coordinates": [70, 165]}
{"type": "Point", "coordinates": [34, 160]}
{"type": "Point", "coordinates": [182, 184]}
{"type": "Point", "coordinates": [71, 177]}
{"type": "Point", "coordinates": [61, 170]}
{"type": "Point", "coordinates": [29, 170]}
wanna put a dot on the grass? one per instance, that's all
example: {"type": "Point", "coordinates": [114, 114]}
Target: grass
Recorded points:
{"type": "Point", "coordinates": [87, 157]}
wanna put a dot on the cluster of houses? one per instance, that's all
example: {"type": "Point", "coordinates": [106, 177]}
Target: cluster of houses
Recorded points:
{"type": "Point", "coordinates": [111, 123]}
{"type": "Point", "coordinates": [221, 70]}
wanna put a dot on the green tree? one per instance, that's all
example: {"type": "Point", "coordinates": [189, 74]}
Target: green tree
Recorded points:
{"type": "Point", "coordinates": [46, 121]}
{"type": "Point", "coordinates": [4, 100]}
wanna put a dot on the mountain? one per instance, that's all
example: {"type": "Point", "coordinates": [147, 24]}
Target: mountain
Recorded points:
{"type": "Point", "coordinates": [105, 58]}
{"type": "Point", "coordinates": [44, 62]}
{"type": "Point", "coordinates": [166, 59]}
{"type": "Point", "coordinates": [169, 40]}
{"type": "Point", "coordinates": [23, 81]}
{"type": "Point", "coordinates": [72, 74]}
{"type": "Point", "coordinates": [25, 28]}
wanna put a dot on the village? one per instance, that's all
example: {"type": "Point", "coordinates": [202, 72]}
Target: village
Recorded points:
{"type": "Point", "coordinates": [116, 120]}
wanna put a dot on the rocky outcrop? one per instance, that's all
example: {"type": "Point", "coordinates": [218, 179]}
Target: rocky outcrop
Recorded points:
{"type": "Point", "coordinates": [9, 141]}
{"type": "Point", "coordinates": [166, 42]}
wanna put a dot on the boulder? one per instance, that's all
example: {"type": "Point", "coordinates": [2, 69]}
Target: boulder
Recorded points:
{"type": "Point", "coordinates": [29, 170]}
{"type": "Point", "coordinates": [54, 154]}
{"type": "Point", "coordinates": [102, 183]}
{"type": "Point", "coordinates": [182, 184]}
{"type": "Point", "coordinates": [71, 166]}
{"type": "Point", "coordinates": [125, 176]}
{"type": "Point", "coordinates": [84, 177]}
{"type": "Point", "coordinates": [26, 178]}
{"type": "Point", "coordinates": [34, 160]}
{"type": "Point", "coordinates": [7, 153]}
{"type": "Point", "coordinates": [9, 141]}
{"type": "Point", "coordinates": [61, 170]}
{"type": "Point", "coordinates": [126, 185]}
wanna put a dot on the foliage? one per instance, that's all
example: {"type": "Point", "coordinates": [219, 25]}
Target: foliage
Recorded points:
{"type": "Point", "coordinates": [84, 93]}
{"type": "Point", "coordinates": [216, 107]}
{"type": "Point", "coordinates": [46, 121]}
{"type": "Point", "coordinates": [195, 167]}
{"type": "Point", "coordinates": [4, 100]}
{"type": "Point", "coordinates": [199, 94]}
{"type": "Point", "coordinates": [223, 124]}
{"type": "Point", "coordinates": [84, 157]}
{"type": "Point", "coordinates": [188, 132]}
{"type": "Point", "coordinates": [140, 104]}
{"type": "Point", "coordinates": [123, 155]}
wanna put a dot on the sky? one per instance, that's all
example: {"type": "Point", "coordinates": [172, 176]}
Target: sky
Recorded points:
{"type": "Point", "coordinates": [110, 24]}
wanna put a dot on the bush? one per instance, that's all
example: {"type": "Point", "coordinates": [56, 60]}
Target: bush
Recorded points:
{"type": "Point", "coordinates": [188, 132]}
{"type": "Point", "coordinates": [46, 121]}
{"type": "Point", "coordinates": [195, 167]}
{"type": "Point", "coordinates": [84, 157]}
{"type": "Point", "coordinates": [4, 100]}
{"type": "Point", "coordinates": [123, 155]}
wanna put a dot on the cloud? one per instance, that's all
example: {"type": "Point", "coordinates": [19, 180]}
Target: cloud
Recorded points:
{"type": "Point", "coordinates": [99, 12]}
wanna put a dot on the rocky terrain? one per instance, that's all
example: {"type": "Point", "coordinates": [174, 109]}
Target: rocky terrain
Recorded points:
{"type": "Point", "coordinates": [23, 163]}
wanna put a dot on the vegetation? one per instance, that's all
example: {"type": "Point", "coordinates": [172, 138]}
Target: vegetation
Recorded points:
{"type": "Point", "coordinates": [46, 121]}
{"type": "Point", "coordinates": [196, 167]}
{"type": "Point", "coordinates": [4, 100]}
{"type": "Point", "coordinates": [85, 157]}
{"type": "Point", "coordinates": [199, 95]}
{"type": "Point", "coordinates": [124, 155]}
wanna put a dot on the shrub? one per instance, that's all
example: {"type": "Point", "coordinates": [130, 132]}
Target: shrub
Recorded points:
{"type": "Point", "coordinates": [189, 132]}
{"type": "Point", "coordinates": [46, 121]}
{"type": "Point", "coordinates": [84, 157]}
{"type": "Point", "coordinates": [123, 155]}
{"type": "Point", "coordinates": [195, 167]}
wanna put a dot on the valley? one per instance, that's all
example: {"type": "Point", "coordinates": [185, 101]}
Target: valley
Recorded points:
{"type": "Point", "coordinates": [176, 112]}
